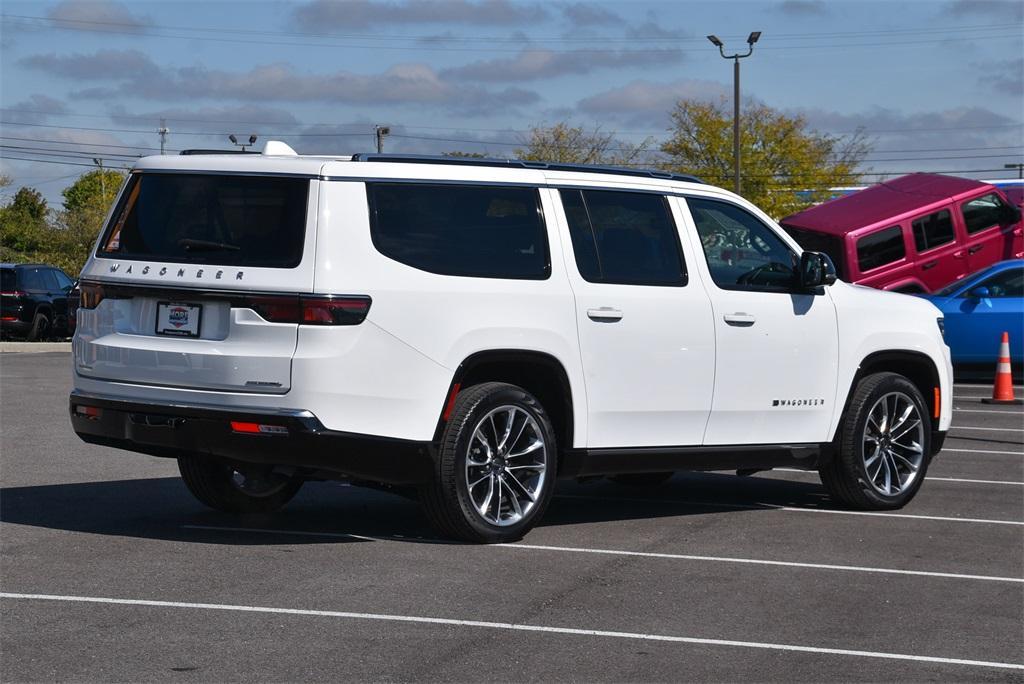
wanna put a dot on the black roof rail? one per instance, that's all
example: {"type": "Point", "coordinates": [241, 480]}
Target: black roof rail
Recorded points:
{"type": "Point", "coordinates": [521, 164]}
{"type": "Point", "coordinates": [202, 151]}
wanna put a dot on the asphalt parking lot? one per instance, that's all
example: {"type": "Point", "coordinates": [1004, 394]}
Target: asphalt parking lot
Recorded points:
{"type": "Point", "coordinates": [112, 571]}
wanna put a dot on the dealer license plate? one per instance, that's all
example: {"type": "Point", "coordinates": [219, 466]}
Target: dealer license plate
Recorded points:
{"type": "Point", "coordinates": [180, 320]}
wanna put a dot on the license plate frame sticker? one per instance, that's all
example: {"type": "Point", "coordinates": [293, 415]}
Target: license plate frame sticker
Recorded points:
{"type": "Point", "coordinates": [178, 319]}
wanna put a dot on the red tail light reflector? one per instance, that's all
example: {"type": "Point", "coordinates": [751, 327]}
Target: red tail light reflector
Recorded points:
{"type": "Point", "coordinates": [90, 412]}
{"type": "Point", "coordinates": [258, 428]}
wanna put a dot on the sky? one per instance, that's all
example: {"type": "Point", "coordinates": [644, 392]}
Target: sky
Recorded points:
{"type": "Point", "coordinates": [936, 85]}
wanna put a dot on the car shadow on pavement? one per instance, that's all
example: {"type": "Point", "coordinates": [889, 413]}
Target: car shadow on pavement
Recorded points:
{"type": "Point", "coordinates": [326, 512]}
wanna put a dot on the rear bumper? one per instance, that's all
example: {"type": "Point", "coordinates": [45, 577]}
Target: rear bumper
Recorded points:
{"type": "Point", "coordinates": [171, 430]}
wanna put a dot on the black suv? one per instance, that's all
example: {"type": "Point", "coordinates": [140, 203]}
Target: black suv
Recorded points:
{"type": "Point", "coordinates": [36, 302]}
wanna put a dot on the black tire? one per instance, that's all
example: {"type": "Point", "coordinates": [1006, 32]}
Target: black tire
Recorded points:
{"type": "Point", "coordinates": [845, 475]}
{"type": "Point", "coordinates": [447, 500]}
{"type": "Point", "coordinates": [214, 482]}
{"type": "Point", "coordinates": [641, 479]}
{"type": "Point", "coordinates": [40, 328]}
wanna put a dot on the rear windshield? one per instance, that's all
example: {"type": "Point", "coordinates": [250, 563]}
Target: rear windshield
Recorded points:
{"type": "Point", "coordinates": [8, 280]}
{"type": "Point", "coordinates": [210, 219]}
{"type": "Point", "coordinates": [818, 242]}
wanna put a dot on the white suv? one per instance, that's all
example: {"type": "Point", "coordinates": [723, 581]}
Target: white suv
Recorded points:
{"type": "Point", "coordinates": [475, 329]}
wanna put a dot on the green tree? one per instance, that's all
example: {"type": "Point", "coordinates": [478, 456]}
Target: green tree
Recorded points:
{"type": "Point", "coordinates": [93, 191]}
{"type": "Point", "coordinates": [779, 155]}
{"type": "Point", "coordinates": [29, 202]}
{"type": "Point", "coordinates": [575, 145]}
{"type": "Point", "coordinates": [23, 227]}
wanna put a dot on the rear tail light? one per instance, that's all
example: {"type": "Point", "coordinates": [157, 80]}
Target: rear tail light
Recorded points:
{"type": "Point", "coordinates": [91, 295]}
{"type": "Point", "coordinates": [13, 293]}
{"type": "Point", "coordinates": [308, 309]}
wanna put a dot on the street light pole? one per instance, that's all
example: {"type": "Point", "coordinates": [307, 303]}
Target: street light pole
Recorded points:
{"type": "Point", "coordinates": [381, 132]}
{"type": "Point", "coordinates": [751, 39]}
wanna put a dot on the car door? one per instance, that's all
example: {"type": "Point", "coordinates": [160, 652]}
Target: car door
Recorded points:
{"type": "Point", "coordinates": [62, 305]}
{"type": "Point", "coordinates": [990, 237]}
{"type": "Point", "coordinates": [645, 330]}
{"type": "Point", "coordinates": [939, 260]}
{"type": "Point", "coordinates": [777, 347]}
{"type": "Point", "coordinates": [883, 261]}
{"type": "Point", "coordinates": [979, 314]}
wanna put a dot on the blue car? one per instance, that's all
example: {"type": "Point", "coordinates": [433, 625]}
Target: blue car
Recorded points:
{"type": "Point", "coordinates": [980, 308]}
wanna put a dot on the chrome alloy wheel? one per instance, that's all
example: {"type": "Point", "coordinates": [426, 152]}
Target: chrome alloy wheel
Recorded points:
{"type": "Point", "coordinates": [505, 465]}
{"type": "Point", "coordinates": [893, 443]}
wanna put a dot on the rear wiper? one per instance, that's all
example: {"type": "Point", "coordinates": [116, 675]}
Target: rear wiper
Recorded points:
{"type": "Point", "coordinates": [191, 244]}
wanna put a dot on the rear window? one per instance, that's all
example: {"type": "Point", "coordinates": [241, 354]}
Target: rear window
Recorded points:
{"type": "Point", "coordinates": [819, 242]}
{"type": "Point", "coordinates": [461, 230]}
{"type": "Point", "coordinates": [8, 280]}
{"type": "Point", "coordinates": [933, 230]}
{"type": "Point", "coordinates": [210, 219]}
{"type": "Point", "coordinates": [880, 248]}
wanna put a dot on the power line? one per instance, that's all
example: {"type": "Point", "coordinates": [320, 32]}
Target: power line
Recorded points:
{"type": "Point", "coordinates": [506, 39]}
{"type": "Point", "coordinates": [989, 36]}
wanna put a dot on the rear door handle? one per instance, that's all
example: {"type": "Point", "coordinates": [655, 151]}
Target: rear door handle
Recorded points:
{"type": "Point", "coordinates": [930, 264]}
{"type": "Point", "coordinates": [605, 314]}
{"type": "Point", "coordinates": [975, 249]}
{"type": "Point", "coordinates": [739, 319]}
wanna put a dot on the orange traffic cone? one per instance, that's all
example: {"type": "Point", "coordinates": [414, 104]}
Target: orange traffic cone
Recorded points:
{"type": "Point", "coordinates": [1002, 389]}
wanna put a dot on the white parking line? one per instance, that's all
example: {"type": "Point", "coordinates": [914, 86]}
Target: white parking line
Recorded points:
{"type": "Point", "coordinates": [1002, 413]}
{"type": "Point", "coordinates": [513, 627]}
{"type": "Point", "coordinates": [982, 451]}
{"type": "Point", "coordinates": [795, 509]}
{"type": "Point", "coordinates": [929, 477]}
{"type": "Point", "coordinates": [640, 554]}
{"type": "Point", "coordinates": [988, 429]}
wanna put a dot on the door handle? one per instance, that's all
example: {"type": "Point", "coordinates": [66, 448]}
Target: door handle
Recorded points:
{"type": "Point", "coordinates": [930, 264]}
{"type": "Point", "coordinates": [959, 255]}
{"type": "Point", "coordinates": [740, 319]}
{"type": "Point", "coordinates": [605, 314]}
{"type": "Point", "coordinates": [975, 249]}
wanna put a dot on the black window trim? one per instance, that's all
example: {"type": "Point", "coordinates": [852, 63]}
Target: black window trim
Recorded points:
{"type": "Point", "coordinates": [685, 273]}
{"type": "Point", "coordinates": [372, 213]}
{"type": "Point", "coordinates": [963, 216]}
{"type": "Point", "coordinates": [913, 237]}
{"type": "Point", "coordinates": [794, 289]}
{"type": "Point", "coordinates": [136, 176]}
{"type": "Point", "coordinates": [903, 235]}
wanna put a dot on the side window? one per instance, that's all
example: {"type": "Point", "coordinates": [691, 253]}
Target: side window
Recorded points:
{"type": "Point", "coordinates": [63, 281]}
{"type": "Point", "coordinates": [742, 252]}
{"type": "Point", "coordinates": [1008, 283]}
{"type": "Point", "coordinates": [982, 212]}
{"type": "Point", "coordinates": [32, 279]}
{"type": "Point", "coordinates": [628, 238]}
{"type": "Point", "coordinates": [461, 230]}
{"type": "Point", "coordinates": [50, 279]}
{"type": "Point", "coordinates": [933, 230]}
{"type": "Point", "coordinates": [880, 248]}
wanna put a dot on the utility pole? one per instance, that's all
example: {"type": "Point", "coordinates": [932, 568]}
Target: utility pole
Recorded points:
{"type": "Point", "coordinates": [751, 39]}
{"type": "Point", "coordinates": [1019, 167]}
{"type": "Point", "coordinates": [98, 161]}
{"type": "Point", "coordinates": [163, 131]}
{"type": "Point", "coordinates": [380, 132]}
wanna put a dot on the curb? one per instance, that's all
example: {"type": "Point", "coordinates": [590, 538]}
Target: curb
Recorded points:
{"type": "Point", "coordinates": [34, 347]}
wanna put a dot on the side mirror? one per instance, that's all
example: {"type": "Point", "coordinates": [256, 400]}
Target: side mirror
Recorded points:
{"type": "Point", "coordinates": [816, 269]}
{"type": "Point", "coordinates": [980, 292]}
